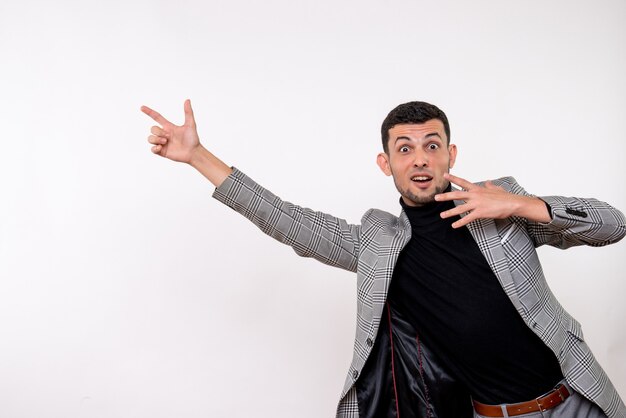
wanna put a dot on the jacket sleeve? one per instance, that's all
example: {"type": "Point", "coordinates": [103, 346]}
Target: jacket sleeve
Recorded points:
{"type": "Point", "coordinates": [575, 221]}
{"type": "Point", "coordinates": [311, 234]}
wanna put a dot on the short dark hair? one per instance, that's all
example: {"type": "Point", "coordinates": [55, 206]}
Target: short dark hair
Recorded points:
{"type": "Point", "coordinates": [412, 112]}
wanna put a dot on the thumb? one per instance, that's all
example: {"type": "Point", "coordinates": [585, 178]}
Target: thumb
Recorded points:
{"type": "Point", "coordinates": [189, 118]}
{"type": "Point", "coordinates": [489, 185]}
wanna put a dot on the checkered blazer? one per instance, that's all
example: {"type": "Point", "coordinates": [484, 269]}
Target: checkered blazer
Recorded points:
{"type": "Point", "coordinates": [372, 248]}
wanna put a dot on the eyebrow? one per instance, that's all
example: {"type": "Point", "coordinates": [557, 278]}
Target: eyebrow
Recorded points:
{"type": "Point", "coordinates": [430, 135]}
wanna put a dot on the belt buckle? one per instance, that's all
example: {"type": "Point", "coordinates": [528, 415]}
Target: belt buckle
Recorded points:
{"type": "Point", "coordinates": [541, 407]}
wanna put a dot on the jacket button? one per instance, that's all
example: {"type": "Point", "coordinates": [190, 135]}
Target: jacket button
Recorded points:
{"type": "Point", "coordinates": [369, 342]}
{"type": "Point", "coordinates": [355, 374]}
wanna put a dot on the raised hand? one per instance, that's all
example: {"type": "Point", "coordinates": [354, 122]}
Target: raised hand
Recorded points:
{"type": "Point", "coordinates": [174, 142]}
{"type": "Point", "coordinates": [490, 201]}
{"type": "Point", "coordinates": [181, 143]}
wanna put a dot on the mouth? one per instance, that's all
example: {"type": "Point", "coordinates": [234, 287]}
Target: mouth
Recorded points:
{"type": "Point", "coordinates": [422, 181]}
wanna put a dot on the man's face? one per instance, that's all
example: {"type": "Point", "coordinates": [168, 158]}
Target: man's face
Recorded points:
{"type": "Point", "coordinates": [417, 159]}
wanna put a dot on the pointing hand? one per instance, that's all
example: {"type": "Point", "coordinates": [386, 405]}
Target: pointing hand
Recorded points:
{"type": "Point", "coordinates": [171, 141]}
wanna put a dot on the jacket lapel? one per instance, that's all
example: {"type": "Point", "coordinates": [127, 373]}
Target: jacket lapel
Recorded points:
{"type": "Point", "coordinates": [486, 235]}
{"type": "Point", "coordinates": [385, 266]}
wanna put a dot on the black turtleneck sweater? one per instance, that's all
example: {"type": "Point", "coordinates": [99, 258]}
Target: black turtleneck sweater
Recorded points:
{"type": "Point", "coordinates": [444, 285]}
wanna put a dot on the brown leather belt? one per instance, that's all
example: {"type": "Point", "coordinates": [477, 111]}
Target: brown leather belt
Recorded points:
{"type": "Point", "coordinates": [542, 403]}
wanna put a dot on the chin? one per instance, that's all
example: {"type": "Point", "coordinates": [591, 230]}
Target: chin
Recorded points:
{"type": "Point", "coordinates": [418, 200]}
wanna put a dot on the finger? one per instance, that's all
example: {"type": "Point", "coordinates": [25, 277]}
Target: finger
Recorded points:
{"type": "Point", "coordinates": [470, 217]}
{"type": "Point", "coordinates": [467, 185]}
{"type": "Point", "coordinates": [189, 118]}
{"type": "Point", "coordinates": [156, 149]}
{"type": "Point", "coordinates": [455, 195]}
{"type": "Point", "coordinates": [157, 140]}
{"type": "Point", "coordinates": [154, 115]}
{"type": "Point", "coordinates": [156, 130]}
{"type": "Point", "coordinates": [458, 210]}
{"type": "Point", "coordinates": [462, 222]}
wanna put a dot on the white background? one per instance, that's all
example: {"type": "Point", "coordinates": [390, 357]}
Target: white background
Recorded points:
{"type": "Point", "coordinates": [126, 291]}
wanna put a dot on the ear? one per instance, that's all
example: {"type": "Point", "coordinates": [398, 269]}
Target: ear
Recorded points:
{"type": "Point", "coordinates": [383, 162]}
{"type": "Point", "coordinates": [452, 152]}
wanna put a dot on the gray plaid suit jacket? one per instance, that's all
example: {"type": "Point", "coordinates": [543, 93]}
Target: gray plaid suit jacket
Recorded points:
{"type": "Point", "coordinates": [372, 248]}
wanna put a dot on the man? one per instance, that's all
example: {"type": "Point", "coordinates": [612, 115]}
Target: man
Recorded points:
{"type": "Point", "coordinates": [468, 311]}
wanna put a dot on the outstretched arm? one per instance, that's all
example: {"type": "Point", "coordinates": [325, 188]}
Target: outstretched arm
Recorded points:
{"type": "Point", "coordinates": [182, 144]}
{"type": "Point", "coordinates": [311, 234]}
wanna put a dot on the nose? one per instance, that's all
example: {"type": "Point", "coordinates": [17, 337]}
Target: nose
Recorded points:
{"type": "Point", "coordinates": [421, 160]}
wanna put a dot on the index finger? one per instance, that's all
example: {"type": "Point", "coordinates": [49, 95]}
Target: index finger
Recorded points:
{"type": "Point", "coordinates": [154, 115]}
{"type": "Point", "coordinates": [464, 184]}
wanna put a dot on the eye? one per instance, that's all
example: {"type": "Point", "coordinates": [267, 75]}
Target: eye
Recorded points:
{"type": "Point", "coordinates": [433, 146]}
{"type": "Point", "coordinates": [404, 149]}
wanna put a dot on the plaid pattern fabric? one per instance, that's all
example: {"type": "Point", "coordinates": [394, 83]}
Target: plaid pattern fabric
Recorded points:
{"type": "Point", "coordinates": [371, 250]}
